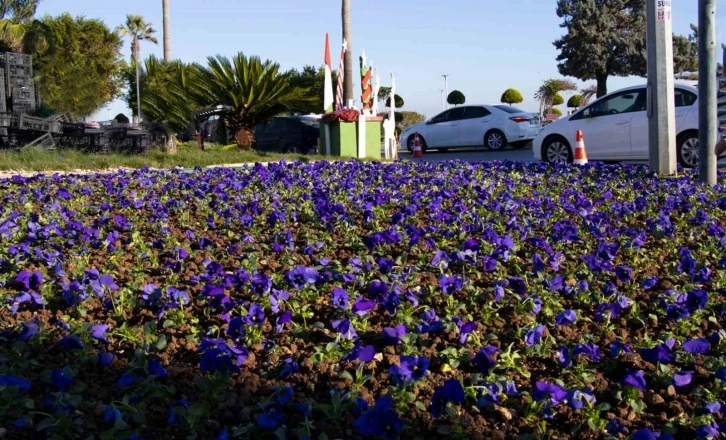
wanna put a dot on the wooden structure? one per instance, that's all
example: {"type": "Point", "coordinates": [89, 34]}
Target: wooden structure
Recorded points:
{"type": "Point", "coordinates": [20, 127]}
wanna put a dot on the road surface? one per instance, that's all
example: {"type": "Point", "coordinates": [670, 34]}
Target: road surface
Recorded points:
{"type": "Point", "coordinates": [473, 155]}
{"type": "Point", "coordinates": [483, 155]}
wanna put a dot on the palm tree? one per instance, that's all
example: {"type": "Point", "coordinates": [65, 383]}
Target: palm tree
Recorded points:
{"type": "Point", "coordinates": [139, 30]}
{"type": "Point", "coordinates": [549, 90]}
{"type": "Point", "coordinates": [170, 97]}
{"type": "Point", "coordinates": [20, 11]}
{"type": "Point", "coordinates": [19, 32]}
{"type": "Point", "coordinates": [587, 94]}
{"type": "Point", "coordinates": [167, 30]}
{"type": "Point", "coordinates": [254, 91]}
{"type": "Point", "coordinates": [348, 80]}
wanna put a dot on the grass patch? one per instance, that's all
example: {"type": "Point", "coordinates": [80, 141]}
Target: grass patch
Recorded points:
{"type": "Point", "coordinates": [33, 159]}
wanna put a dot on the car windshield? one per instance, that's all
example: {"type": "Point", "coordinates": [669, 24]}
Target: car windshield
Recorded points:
{"type": "Point", "coordinates": [311, 123]}
{"type": "Point", "coordinates": [508, 109]}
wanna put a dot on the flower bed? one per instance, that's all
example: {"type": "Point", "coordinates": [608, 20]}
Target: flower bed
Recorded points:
{"type": "Point", "coordinates": [345, 300]}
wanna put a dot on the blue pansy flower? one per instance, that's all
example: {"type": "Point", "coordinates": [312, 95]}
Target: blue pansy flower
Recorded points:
{"type": "Point", "coordinates": [451, 391]}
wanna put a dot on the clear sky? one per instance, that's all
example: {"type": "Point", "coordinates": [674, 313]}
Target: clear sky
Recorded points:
{"type": "Point", "coordinates": [485, 45]}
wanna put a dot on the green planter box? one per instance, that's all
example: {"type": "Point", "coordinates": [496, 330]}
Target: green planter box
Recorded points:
{"type": "Point", "coordinates": [344, 138]}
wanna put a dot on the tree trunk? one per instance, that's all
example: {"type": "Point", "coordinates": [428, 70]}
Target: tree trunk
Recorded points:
{"type": "Point", "coordinates": [135, 50]}
{"type": "Point", "coordinates": [348, 80]}
{"type": "Point", "coordinates": [170, 146]}
{"type": "Point", "coordinates": [167, 30]}
{"type": "Point", "coordinates": [602, 85]}
{"type": "Point", "coordinates": [137, 117]}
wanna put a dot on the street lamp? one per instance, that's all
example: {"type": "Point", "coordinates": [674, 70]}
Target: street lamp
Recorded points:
{"type": "Point", "coordinates": [446, 85]}
{"type": "Point", "coordinates": [443, 100]}
{"type": "Point", "coordinates": [707, 91]}
{"type": "Point", "coordinates": [661, 92]}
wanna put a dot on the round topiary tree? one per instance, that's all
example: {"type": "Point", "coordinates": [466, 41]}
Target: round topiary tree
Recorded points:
{"type": "Point", "coordinates": [512, 96]}
{"type": "Point", "coordinates": [121, 119]}
{"type": "Point", "coordinates": [399, 102]}
{"type": "Point", "coordinates": [456, 98]}
{"type": "Point", "coordinates": [556, 111]}
{"type": "Point", "coordinates": [574, 101]}
{"type": "Point", "coordinates": [558, 100]}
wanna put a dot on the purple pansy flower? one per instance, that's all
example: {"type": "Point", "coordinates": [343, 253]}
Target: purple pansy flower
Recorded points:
{"type": "Point", "coordinates": [450, 391]}
{"type": "Point", "coordinates": [98, 332]}
{"type": "Point", "coordinates": [555, 393]}
{"type": "Point", "coordinates": [658, 354]}
{"type": "Point", "coordinates": [534, 336]}
{"type": "Point", "coordinates": [563, 357]}
{"type": "Point", "coordinates": [302, 276]}
{"type": "Point", "coordinates": [340, 298]}
{"type": "Point", "coordinates": [591, 350]}
{"type": "Point", "coordinates": [255, 315]}
{"type": "Point", "coordinates": [362, 306]}
{"type": "Point", "coordinates": [392, 336]}
{"type": "Point", "coordinates": [62, 379]}
{"type": "Point", "coordinates": [361, 353]}
{"type": "Point", "coordinates": [70, 343]}
{"type": "Point", "coordinates": [345, 329]}
{"type": "Point", "coordinates": [450, 285]}
{"type": "Point", "coordinates": [635, 379]}
{"type": "Point", "coordinates": [483, 359]}
{"type": "Point", "coordinates": [381, 420]}
{"type": "Point", "coordinates": [697, 346]}
{"type": "Point", "coordinates": [682, 378]}
{"type": "Point", "coordinates": [281, 320]}
{"type": "Point", "coordinates": [414, 368]}
{"type": "Point", "coordinates": [566, 318]}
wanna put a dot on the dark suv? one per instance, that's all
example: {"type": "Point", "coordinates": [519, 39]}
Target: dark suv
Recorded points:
{"type": "Point", "coordinates": [284, 134]}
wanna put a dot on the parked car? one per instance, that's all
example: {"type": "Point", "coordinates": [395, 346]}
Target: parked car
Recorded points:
{"type": "Point", "coordinates": [287, 134]}
{"type": "Point", "coordinates": [615, 127]}
{"type": "Point", "coordinates": [490, 126]}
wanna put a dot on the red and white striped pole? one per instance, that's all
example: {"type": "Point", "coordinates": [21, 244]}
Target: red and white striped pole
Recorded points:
{"type": "Point", "coordinates": [339, 104]}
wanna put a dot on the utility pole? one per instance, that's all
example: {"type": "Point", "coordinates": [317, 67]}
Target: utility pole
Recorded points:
{"type": "Point", "coordinates": [348, 78]}
{"type": "Point", "coordinates": [443, 100]}
{"type": "Point", "coordinates": [446, 87]}
{"type": "Point", "coordinates": [707, 91]}
{"type": "Point", "coordinates": [661, 93]}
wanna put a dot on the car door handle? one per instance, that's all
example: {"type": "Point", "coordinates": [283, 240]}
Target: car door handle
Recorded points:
{"type": "Point", "coordinates": [454, 125]}
{"type": "Point", "coordinates": [622, 123]}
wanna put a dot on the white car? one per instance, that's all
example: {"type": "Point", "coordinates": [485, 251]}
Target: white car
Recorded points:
{"type": "Point", "coordinates": [615, 127]}
{"type": "Point", "coordinates": [490, 126]}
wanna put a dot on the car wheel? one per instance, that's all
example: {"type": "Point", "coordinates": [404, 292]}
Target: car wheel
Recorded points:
{"type": "Point", "coordinates": [292, 149]}
{"type": "Point", "coordinates": [495, 140]}
{"type": "Point", "coordinates": [412, 139]}
{"type": "Point", "coordinates": [688, 149]}
{"type": "Point", "coordinates": [557, 150]}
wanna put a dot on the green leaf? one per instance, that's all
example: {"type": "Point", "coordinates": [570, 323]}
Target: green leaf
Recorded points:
{"type": "Point", "coordinates": [346, 375]}
{"type": "Point", "coordinates": [420, 405]}
{"type": "Point", "coordinates": [161, 343]}
{"type": "Point", "coordinates": [444, 430]}
{"type": "Point", "coordinates": [45, 424]}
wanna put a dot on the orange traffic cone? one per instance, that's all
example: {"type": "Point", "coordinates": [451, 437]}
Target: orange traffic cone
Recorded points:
{"type": "Point", "coordinates": [417, 150]}
{"type": "Point", "coordinates": [580, 153]}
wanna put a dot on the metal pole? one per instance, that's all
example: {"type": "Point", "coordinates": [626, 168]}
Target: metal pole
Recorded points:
{"type": "Point", "coordinates": [443, 100]}
{"type": "Point", "coordinates": [661, 94]}
{"type": "Point", "coordinates": [707, 92]}
{"type": "Point", "coordinates": [446, 89]}
{"type": "Point", "coordinates": [138, 94]}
